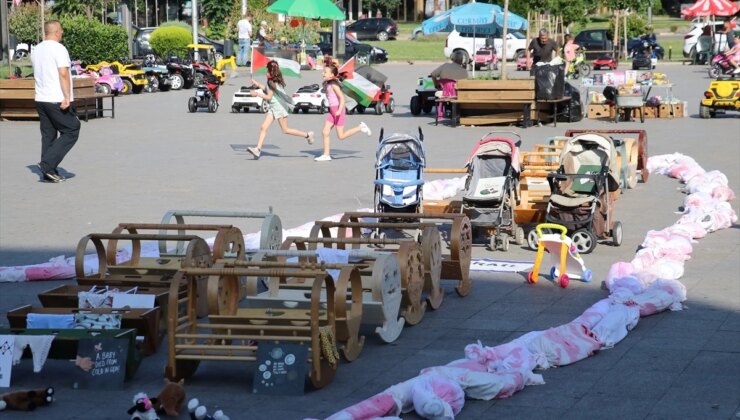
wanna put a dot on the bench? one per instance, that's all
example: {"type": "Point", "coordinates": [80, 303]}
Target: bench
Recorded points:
{"type": "Point", "coordinates": [144, 321]}
{"type": "Point", "coordinates": [493, 102]}
{"type": "Point", "coordinates": [65, 344]}
{"type": "Point", "coordinates": [17, 99]}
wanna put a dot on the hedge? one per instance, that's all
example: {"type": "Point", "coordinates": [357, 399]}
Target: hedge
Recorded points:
{"type": "Point", "coordinates": [170, 40]}
{"type": "Point", "coordinates": [91, 41]}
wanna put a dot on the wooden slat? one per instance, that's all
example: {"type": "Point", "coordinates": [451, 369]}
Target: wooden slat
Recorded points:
{"type": "Point", "coordinates": [495, 95]}
{"type": "Point", "coordinates": [491, 119]}
{"type": "Point", "coordinates": [521, 84]}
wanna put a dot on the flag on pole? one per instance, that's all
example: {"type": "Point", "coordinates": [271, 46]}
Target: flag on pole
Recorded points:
{"type": "Point", "coordinates": [287, 67]}
{"type": "Point", "coordinates": [356, 86]}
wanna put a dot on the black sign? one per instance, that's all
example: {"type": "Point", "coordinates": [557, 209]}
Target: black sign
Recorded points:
{"type": "Point", "coordinates": [281, 369]}
{"type": "Point", "coordinates": [101, 363]}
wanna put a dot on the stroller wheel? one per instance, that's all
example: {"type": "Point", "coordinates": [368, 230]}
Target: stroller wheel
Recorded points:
{"type": "Point", "coordinates": [504, 242]}
{"type": "Point", "coordinates": [492, 242]}
{"type": "Point", "coordinates": [532, 239]}
{"type": "Point", "coordinates": [519, 235]}
{"type": "Point", "coordinates": [564, 280]}
{"type": "Point", "coordinates": [588, 275]}
{"type": "Point", "coordinates": [584, 240]}
{"type": "Point", "coordinates": [617, 234]}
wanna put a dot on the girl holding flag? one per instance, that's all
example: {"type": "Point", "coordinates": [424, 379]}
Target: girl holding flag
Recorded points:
{"type": "Point", "coordinates": [335, 117]}
{"type": "Point", "coordinates": [279, 107]}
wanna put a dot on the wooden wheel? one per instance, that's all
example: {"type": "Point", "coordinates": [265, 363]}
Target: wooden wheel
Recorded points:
{"type": "Point", "coordinates": [461, 249]}
{"type": "Point", "coordinates": [386, 288]}
{"type": "Point", "coordinates": [431, 250]}
{"type": "Point", "coordinates": [271, 234]}
{"type": "Point", "coordinates": [412, 283]}
{"type": "Point", "coordinates": [348, 320]}
{"type": "Point", "coordinates": [222, 293]}
{"type": "Point", "coordinates": [198, 255]}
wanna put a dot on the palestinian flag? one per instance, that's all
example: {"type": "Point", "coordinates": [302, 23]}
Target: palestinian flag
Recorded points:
{"type": "Point", "coordinates": [289, 68]}
{"type": "Point", "coordinates": [356, 86]}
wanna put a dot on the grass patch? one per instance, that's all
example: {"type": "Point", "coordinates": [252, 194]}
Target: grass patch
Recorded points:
{"type": "Point", "coordinates": [402, 50]}
{"type": "Point", "coordinates": [6, 71]}
{"type": "Point", "coordinates": [676, 46]}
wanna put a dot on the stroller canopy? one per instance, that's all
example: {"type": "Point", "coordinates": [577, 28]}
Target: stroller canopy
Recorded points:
{"type": "Point", "coordinates": [592, 149]}
{"type": "Point", "coordinates": [400, 146]}
{"type": "Point", "coordinates": [496, 146]}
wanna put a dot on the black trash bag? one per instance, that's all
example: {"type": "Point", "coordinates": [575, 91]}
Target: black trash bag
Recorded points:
{"type": "Point", "coordinates": [572, 110]}
{"type": "Point", "coordinates": [610, 93]}
{"type": "Point", "coordinates": [549, 81]}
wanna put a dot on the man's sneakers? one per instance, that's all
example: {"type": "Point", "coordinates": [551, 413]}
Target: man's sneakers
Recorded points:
{"type": "Point", "coordinates": [365, 129]}
{"type": "Point", "coordinates": [309, 137]}
{"type": "Point", "coordinates": [254, 151]}
{"type": "Point", "coordinates": [322, 158]}
{"type": "Point", "coordinates": [52, 176]}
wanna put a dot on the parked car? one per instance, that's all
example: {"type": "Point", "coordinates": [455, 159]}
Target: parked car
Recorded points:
{"type": "Point", "coordinates": [456, 41]}
{"type": "Point", "coordinates": [353, 47]}
{"type": "Point", "coordinates": [141, 46]}
{"type": "Point", "coordinates": [381, 29]}
{"type": "Point", "coordinates": [595, 42]}
{"type": "Point", "coordinates": [691, 38]}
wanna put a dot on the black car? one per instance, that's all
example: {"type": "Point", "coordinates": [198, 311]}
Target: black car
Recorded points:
{"type": "Point", "coordinates": [381, 29]}
{"type": "Point", "coordinates": [595, 41]}
{"type": "Point", "coordinates": [141, 45]}
{"type": "Point", "coordinates": [351, 48]}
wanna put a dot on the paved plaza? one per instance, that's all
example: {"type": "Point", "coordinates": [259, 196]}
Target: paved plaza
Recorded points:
{"type": "Point", "coordinates": [155, 156]}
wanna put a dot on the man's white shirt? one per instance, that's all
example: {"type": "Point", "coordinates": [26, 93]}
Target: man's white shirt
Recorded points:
{"type": "Point", "coordinates": [245, 29]}
{"type": "Point", "coordinates": [47, 58]}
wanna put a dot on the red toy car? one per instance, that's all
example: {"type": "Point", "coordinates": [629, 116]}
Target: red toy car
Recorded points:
{"type": "Point", "coordinates": [383, 101]}
{"type": "Point", "coordinates": [606, 60]}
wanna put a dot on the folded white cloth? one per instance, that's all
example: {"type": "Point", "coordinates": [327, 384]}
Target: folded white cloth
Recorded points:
{"type": "Point", "coordinates": [50, 321]}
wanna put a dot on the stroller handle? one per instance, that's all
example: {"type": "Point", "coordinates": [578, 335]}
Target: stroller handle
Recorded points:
{"type": "Point", "coordinates": [519, 138]}
{"type": "Point", "coordinates": [563, 230]}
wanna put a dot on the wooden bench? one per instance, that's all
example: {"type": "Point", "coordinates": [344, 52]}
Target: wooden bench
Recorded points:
{"type": "Point", "coordinates": [17, 99]}
{"type": "Point", "coordinates": [145, 321]}
{"type": "Point", "coordinates": [65, 344]}
{"type": "Point", "coordinates": [493, 102]}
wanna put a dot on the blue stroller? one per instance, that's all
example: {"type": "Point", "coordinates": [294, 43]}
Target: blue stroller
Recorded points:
{"type": "Point", "coordinates": [399, 173]}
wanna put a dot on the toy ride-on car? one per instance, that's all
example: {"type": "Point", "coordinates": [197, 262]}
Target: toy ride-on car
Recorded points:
{"type": "Point", "coordinates": [485, 57]}
{"type": "Point", "coordinates": [206, 62]}
{"type": "Point", "coordinates": [607, 60]}
{"type": "Point", "coordinates": [722, 96]}
{"type": "Point", "coordinates": [243, 100]}
{"type": "Point", "coordinates": [206, 95]}
{"type": "Point", "coordinates": [382, 102]}
{"type": "Point", "coordinates": [424, 99]}
{"type": "Point", "coordinates": [310, 97]}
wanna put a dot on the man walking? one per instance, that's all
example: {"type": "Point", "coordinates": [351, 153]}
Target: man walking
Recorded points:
{"type": "Point", "coordinates": [245, 38]}
{"type": "Point", "coordinates": [54, 98]}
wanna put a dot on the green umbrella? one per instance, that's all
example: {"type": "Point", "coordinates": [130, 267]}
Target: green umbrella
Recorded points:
{"type": "Point", "coordinates": [312, 9]}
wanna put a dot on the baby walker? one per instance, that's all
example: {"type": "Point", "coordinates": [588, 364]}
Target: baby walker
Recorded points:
{"type": "Point", "coordinates": [562, 252]}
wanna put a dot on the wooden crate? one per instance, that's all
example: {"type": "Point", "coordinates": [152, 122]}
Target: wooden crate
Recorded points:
{"type": "Point", "coordinates": [650, 111]}
{"type": "Point", "coordinates": [596, 111]}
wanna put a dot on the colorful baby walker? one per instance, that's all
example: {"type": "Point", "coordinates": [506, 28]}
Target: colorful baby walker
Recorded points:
{"type": "Point", "coordinates": [564, 256]}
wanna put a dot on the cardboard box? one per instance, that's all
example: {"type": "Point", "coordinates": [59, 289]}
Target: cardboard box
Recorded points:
{"type": "Point", "coordinates": [650, 111]}
{"type": "Point", "coordinates": [596, 111]}
{"type": "Point", "coordinates": [675, 110]}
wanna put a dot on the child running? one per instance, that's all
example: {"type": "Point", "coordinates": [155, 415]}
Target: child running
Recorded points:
{"type": "Point", "coordinates": [278, 107]}
{"type": "Point", "coordinates": [335, 117]}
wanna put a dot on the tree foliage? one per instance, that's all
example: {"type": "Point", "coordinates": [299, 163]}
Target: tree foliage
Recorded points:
{"type": "Point", "coordinates": [636, 26]}
{"type": "Point", "coordinates": [25, 23]}
{"type": "Point", "coordinates": [91, 41]}
{"type": "Point", "coordinates": [386, 5]}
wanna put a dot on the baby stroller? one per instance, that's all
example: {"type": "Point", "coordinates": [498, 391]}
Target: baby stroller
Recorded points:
{"type": "Point", "coordinates": [399, 173]}
{"type": "Point", "coordinates": [491, 189]}
{"type": "Point", "coordinates": [206, 94]}
{"type": "Point", "coordinates": [583, 190]}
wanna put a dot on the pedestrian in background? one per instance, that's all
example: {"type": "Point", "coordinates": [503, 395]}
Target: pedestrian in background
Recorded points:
{"type": "Point", "coordinates": [244, 26]}
{"type": "Point", "coordinates": [59, 124]}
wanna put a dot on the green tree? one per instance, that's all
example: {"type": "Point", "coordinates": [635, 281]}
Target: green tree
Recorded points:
{"type": "Point", "coordinates": [386, 5]}
{"type": "Point", "coordinates": [216, 11]}
{"type": "Point", "coordinates": [71, 8]}
{"type": "Point", "coordinates": [24, 21]}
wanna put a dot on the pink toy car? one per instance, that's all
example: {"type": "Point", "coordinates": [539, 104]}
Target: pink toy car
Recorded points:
{"type": "Point", "coordinates": [106, 81]}
{"type": "Point", "coordinates": [486, 57]}
{"type": "Point", "coordinates": [522, 63]}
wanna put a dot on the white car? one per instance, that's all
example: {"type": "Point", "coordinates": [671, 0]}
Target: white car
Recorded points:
{"type": "Point", "coordinates": [515, 42]}
{"type": "Point", "coordinates": [242, 100]}
{"type": "Point", "coordinates": [692, 37]}
{"type": "Point", "coordinates": [310, 97]}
